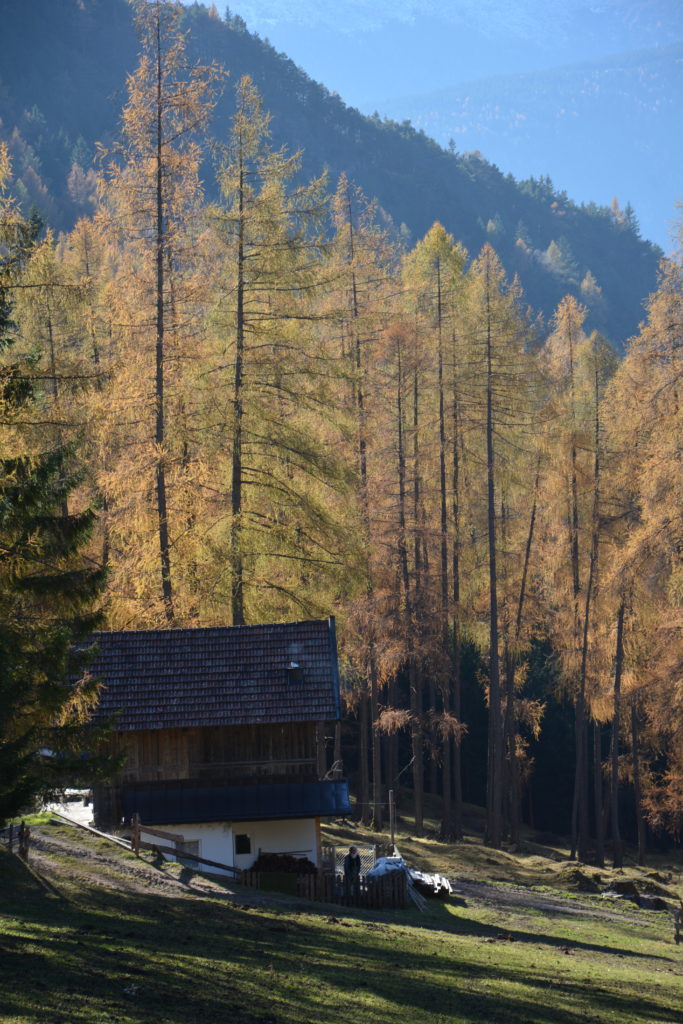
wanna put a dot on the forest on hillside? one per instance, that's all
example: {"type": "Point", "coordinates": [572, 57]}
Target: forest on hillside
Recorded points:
{"type": "Point", "coordinates": [86, 48]}
{"type": "Point", "coordinates": [270, 405]}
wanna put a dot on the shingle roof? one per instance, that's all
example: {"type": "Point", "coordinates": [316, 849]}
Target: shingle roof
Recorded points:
{"type": "Point", "coordinates": [170, 678]}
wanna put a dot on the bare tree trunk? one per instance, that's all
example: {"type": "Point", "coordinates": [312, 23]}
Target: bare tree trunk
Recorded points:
{"type": "Point", "coordinates": [597, 795]}
{"type": "Point", "coordinates": [376, 749]}
{"type": "Point", "coordinates": [414, 676]}
{"type": "Point", "coordinates": [421, 568]}
{"type": "Point", "coordinates": [392, 780]}
{"type": "Point", "coordinates": [580, 802]}
{"type": "Point", "coordinates": [418, 545]}
{"type": "Point", "coordinates": [617, 849]}
{"type": "Point", "coordinates": [237, 587]}
{"type": "Point", "coordinates": [402, 539]}
{"type": "Point", "coordinates": [363, 751]}
{"type": "Point", "coordinates": [455, 575]}
{"type": "Point", "coordinates": [510, 738]}
{"type": "Point", "coordinates": [159, 433]}
{"type": "Point", "coordinates": [640, 820]}
{"type": "Point", "coordinates": [511, 660]}
{"type": "Point", "coordinates": [446, 742]}
{"type": "Point", "coordinates": [375, 739]}
{"type": "Point", "coordinates": [579, 806]}
{"type": "Point", "coordinates": [457, 758]}
{"type": "Point", "coordinates": [433, 709]}
{"type": "Point", "coordinates": [494, 794]}
{"type": "Point", "coordinates": [447, 833]}
{"type": "Point", "coordinates": [442, 469]}
{"type": "Point", "coordinates": [417, 747]}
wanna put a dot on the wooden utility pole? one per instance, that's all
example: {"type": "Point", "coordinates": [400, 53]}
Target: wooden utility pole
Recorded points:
{"type": "Point", "coordinates": [392, 821]}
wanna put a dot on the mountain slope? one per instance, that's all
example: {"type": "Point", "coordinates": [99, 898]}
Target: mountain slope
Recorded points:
{"type": "Point", "coordinates": [628, 108]}
{"type": "Point", "coordinates": [367, 49]}
{"type": "Point", "coordinates": [84, 48]}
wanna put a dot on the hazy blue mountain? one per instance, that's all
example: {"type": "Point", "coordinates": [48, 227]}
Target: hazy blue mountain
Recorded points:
{"type": "Point", "coordinates": [63, 65]}
{"type": "Point", "coordinates": [598, 129]}
{"type": "Point", "coordinates": [365, 49]}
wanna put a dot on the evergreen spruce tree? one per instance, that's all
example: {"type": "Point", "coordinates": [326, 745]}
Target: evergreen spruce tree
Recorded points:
{"type": "Point", "coordinates": [47, 590]}
{"type": "Point", "coordinates": [47, 586]}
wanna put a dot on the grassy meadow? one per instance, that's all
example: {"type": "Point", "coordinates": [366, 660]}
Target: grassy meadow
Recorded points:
{"type": "Point", "coordinates": [90, 935]}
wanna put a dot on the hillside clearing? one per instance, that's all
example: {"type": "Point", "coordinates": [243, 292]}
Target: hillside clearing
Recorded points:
{"type": "Point", "coordinates": [90, 935]}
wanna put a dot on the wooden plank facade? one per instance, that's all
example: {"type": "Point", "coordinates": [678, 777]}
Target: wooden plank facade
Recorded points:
{"type": "Point", "coordinates": [219, 755]}
{"type": "Point", "coordinates": [227, 754]}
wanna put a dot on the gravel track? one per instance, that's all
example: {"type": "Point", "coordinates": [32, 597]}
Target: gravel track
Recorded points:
{"type": "Point", "coordinates": [519, 898]}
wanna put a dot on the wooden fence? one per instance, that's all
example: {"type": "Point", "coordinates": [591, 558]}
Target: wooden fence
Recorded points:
{"type": "Point", "coordinates": [19, 834]}
{"type": "Point", "coordinates": [386, 892]}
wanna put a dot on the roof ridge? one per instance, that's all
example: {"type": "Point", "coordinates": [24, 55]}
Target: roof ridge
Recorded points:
{"type": "Point", "coordinates": [177, 630]}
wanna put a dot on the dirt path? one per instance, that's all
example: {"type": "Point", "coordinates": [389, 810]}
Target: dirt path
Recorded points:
{"type": "Point", "coordinates": [519, 898]}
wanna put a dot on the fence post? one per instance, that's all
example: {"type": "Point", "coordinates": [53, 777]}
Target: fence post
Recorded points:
{"type": "Point", "coordinates": [10, 843]}
{"type": "Point", "coordinates": [24, 839]}
{"type": "Point", "coordinates": [135, 821]}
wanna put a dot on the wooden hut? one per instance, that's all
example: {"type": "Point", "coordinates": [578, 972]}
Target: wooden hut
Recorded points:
{"type": "Point", "coordinates": [223, 730]}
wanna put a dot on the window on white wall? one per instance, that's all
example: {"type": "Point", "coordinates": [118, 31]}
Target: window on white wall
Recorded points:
{"type": "Point", "coordinates": [242, 844]}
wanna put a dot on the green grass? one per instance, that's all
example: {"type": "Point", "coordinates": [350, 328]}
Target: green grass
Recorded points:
{"type": "Point", "coordinates": [103, 938]}
{"type": "Point", "coordinates": [531, 865]}
{"type": "Point", "coordinates": [39, 818]}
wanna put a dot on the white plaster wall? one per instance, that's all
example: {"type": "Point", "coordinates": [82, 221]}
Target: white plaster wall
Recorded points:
{"type": "Point", "coordinates": [298, 838]}
{"type": "Point", "coordinates": [217, 840]}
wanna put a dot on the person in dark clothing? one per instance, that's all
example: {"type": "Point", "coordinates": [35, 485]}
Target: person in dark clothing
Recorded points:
{"type": "Point", "coordinates": [352, 873]}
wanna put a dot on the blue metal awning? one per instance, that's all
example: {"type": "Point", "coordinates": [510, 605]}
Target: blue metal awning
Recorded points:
{"type": "Point", "coordinates": [172, 805]}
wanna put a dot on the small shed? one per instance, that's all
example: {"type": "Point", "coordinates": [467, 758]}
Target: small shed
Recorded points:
{"type": "Point", "coordinates": [224, 734]}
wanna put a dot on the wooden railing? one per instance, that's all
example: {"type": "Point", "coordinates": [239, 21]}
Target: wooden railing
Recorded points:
{"type": "Point", "coordinates": [176, 851]}
{"type": "Point", "coordinates": [268, 763]}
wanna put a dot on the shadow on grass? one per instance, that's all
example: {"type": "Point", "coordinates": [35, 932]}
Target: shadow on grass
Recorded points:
{"type": "Point", "coordinates": [100, 955]}
{"type": "Point", "coordinates": [441, 919]}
